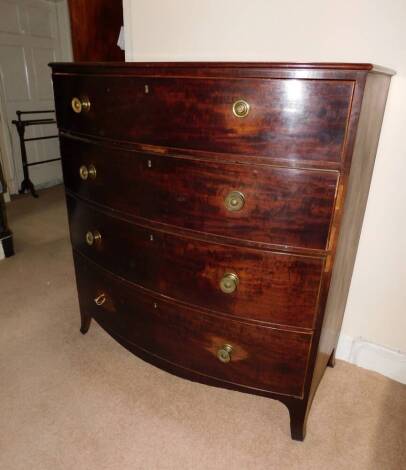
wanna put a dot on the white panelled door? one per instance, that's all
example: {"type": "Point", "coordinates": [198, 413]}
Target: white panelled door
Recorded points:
{"type": "Point", "coordinates": [30, 38]}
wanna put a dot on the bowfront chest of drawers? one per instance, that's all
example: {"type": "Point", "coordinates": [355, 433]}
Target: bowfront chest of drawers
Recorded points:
{"type": "Point", "coordinates": [215, 211]}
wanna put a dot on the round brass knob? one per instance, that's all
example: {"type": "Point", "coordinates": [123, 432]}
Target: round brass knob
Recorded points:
{"type": "Point", "coordinates": [229, 283]}
{"type": "Point", "coordinates": [87, 172]}
{"type": "Point", "coordinates": [241, 108]}
{"type": "Point", "coordinates": [92, 171]}
{"type": "Point", "coordinates": [100, 299]}
{"type": "Point", "coordinates": [84, 172]}
{"type": "Point", "coordinates": [79, 105]}
{"type": "Point", "coordinates": [234, 201]}
{"type": "Point", "coordinates": [92, 237]}
{"type": "Point", "coordinates": [224, 353]}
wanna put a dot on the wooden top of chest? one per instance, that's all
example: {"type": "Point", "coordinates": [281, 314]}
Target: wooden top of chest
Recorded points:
{"type": "Point", "coordinates": [126, 67]}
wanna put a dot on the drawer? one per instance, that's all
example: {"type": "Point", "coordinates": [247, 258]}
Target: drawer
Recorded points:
{"type": "Point", "coordinates": [263, 285]}
{"type": "Point", "coordinates": [287, 119]}
{"type": "Point", "coordinates": [260, 357]}
{"type": "Point", "coordinates": [271, 205]}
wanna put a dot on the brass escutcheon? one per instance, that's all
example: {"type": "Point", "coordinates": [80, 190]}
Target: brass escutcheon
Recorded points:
{"type": "Point", "coordinates": [241, 108]}
{"type": "Point", "coordinates": [234, 201]}
{"type": "Point", "coordinates": [224, 353]}
{"type": "Point", "coordinates": [92, 237]}
{"type": "Point", "coordinates": [99, 300]}
{"type": "Point", "coordinates": [79, 105]}
{"type": "Point", "coordinates": [229, 282]}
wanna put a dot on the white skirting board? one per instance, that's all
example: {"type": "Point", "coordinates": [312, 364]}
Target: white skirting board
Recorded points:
{"type": "Point", "coordinates": [49, 184]}
{"type": "Point", "coordinates": [372, 356]}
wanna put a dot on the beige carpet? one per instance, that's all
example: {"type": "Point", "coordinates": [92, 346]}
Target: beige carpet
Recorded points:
{"type": "Point", "coordinates": [76, 402]}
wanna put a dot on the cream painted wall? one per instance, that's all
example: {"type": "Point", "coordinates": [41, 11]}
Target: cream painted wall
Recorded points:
{"type": "Point", "coordinates": [314, 30]}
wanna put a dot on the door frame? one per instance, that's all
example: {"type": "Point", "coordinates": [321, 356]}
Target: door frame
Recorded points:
{"type": "Point", "coordinates": [6, 154]}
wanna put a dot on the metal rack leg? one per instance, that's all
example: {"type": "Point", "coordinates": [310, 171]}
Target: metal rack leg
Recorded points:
{"type": "Point", "coordinates": [27, 184]}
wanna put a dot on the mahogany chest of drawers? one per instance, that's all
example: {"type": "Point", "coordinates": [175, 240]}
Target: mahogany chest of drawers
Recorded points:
{"type": "Point", "coordinates": [215, 211]}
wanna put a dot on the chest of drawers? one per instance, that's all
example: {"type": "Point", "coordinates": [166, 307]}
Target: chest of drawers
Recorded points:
{"type": "Point", "coordinates": [215, 211]}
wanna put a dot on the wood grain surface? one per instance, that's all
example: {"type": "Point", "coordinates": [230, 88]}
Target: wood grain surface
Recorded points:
{"type": "Point", "coordinates": [262, 357]}
{"type": "Point", "coordinates": [288, 119]}
{"type": "Point", "coordinates": [282, 206]}
{"type": "Point", "coordinates": [273, 287]}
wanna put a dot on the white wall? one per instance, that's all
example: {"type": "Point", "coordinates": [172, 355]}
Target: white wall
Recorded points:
{"type": "Point", "coordinates": [64, 31]}
{"type": "Point", "coordinates": [314, 30]}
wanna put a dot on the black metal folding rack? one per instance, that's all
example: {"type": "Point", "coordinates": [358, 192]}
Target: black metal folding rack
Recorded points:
{"type": "Point", "coordinates": [27, 184]}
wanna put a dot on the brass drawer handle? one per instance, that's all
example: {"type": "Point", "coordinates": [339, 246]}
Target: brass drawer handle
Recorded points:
{"type": "Point", "coordinates": [80, 104]}
{"type": "Point", "coordinates": [241, 108]}
{"type": "Point", "coordinates": [224, 353]}
{"type": "Point", "coordinates": [87, 172]}
{"type": "Point", "coordinates": [229, 283]}
{"type": "Point", "coordinates": [234, 201]}
{"type": "Point", "coordinates": [99, 300]}
{"type": "Point", "coordinates": [92, 237]}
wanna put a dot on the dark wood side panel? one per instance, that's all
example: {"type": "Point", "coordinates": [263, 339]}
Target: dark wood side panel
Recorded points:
{"type": "Point", "coordinates": [273, 287]}
{"type": "Point", "coordinates": [363, 159]}
{"type": "Point", "coordinates": [262, 357]}
{"type": "Point", "coordinates": [290, 120]}
{"type": "Point", "coordinates": [282, 206]}
{"type": "Point", "coordinates": [95, 26]}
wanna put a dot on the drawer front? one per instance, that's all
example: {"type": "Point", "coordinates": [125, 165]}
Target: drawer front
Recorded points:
{"type": "Point", "coordinates": [270, 286]}
{"type": "Point", "coordinates": [260, 357]}
{"type": "Point", "coordinates": [287, 119]}
{"type": "Point", "coordinates": [271, 205]}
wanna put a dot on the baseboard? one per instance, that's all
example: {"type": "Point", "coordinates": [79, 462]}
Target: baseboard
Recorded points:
{"type": "Point", "coordinates": [44, 185]}
{"type": "Point", "coordinates": [373, 356]}
{"type": "Point", "coordinates": [49, 184]}
{"type": "Point", "coordinates": [6, 245]}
